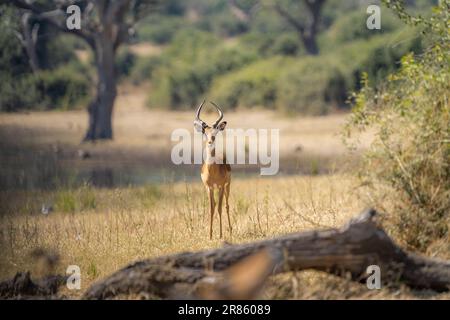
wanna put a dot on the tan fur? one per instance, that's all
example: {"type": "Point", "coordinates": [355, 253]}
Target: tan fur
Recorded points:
{"type": "Point", "coordinates": [216, 175]}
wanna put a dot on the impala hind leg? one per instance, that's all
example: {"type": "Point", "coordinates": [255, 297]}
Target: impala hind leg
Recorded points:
{"type": "Point", "coordinates": [227, 207]}
{"type": "Point", "coordinates": [211, 208]}
{"type": "Point", "coordinates": [220, 209]}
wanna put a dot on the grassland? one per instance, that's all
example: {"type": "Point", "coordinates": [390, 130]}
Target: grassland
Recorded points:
{"type": "Point", "coordinates": [102, 229]}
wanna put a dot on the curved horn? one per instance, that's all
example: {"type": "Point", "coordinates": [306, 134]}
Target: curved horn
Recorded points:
{"type": "Point", "coordinates": [220, 114]}
{"type": "Point", "coordinates": [197, 116]}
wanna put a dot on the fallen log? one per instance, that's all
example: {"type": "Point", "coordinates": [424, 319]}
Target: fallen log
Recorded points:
{"type": "Point", "coordinates": [23, 287]}
{"type": "Point", "coordinates": [345, 251]}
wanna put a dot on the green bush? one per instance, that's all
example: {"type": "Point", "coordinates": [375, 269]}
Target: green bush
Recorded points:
{"type": "Point", "coordinates": [63, 85]}
{"type": "Point", "coordinates": [143, 68]}
{"type": "Point", "coordinates": [224, 25]}
{"type": "Point", "coordinates": [125, 62]}
{"type": "Point", "coordinates": [377, 56]}
{"type": "Point", "coordinates": [159, 29]}
{"type": "Point", "coordinates": [253, 85]}
{"type": "Point", "coordinates": [63, 88]}
{"type": "Point", "coordinates": [55, 49]}
{"type": "Point", "coordinates": [287, 44]}
{"type": "Point", "coordinates": [18, 92]}
{"type": "Point", "coordinates": [311, 86]}
{"type": "Point", "coordinates": [407, 167]}
{"type": "Point", "coordinates": [258, 43]}
{"type": "Point", "coordinates": [352, 26]}
{"type": "Point", "coordinates": [383, 60]}
{"type": "Point", "coordinates": [186, 75]}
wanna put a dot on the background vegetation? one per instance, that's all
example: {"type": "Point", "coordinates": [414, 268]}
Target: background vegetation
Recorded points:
{"type": "Point", "coordinates": [101, 205]}
{"type": "Point", "coordinates": [408, 164]}
{"type": "Point", "coordinates": [208, 51]}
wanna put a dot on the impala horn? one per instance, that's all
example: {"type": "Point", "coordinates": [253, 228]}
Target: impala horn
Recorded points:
{"type": "Point", "coordinates": [220, 114]}
{"type": "Point", "coordinates": [199, 121]}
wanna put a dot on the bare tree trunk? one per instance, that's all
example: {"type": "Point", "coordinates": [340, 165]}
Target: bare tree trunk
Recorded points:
{"type": "Point", "coordinates": [310, 43]}
{"type": "Point", "coordinates": [310, 33]}
{"type": "Point", "coordinates": [101, 108]}
{"type": "Point", "coordinates": [29, 41]}
{"type": "Point", "coordinates": [307, 31]}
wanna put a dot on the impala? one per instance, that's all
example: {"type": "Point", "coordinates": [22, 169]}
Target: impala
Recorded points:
{"type": "Point", "coordinates": [213, 174]}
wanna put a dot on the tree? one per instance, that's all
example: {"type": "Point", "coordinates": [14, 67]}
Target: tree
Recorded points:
{"type": "Point", "coordinates": [105, 25]}
{"type": "Point", "coordinates": [306, 27]}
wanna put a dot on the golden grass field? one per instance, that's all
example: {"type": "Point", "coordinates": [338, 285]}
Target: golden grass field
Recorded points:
{"type": "Point", "coordinates": [103, 229]}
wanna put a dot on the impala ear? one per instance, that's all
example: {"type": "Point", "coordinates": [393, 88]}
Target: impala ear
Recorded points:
{"type": "Point", "coordinates": [199, 126]}
{"type": "Point", "coordinates": [222, 125]}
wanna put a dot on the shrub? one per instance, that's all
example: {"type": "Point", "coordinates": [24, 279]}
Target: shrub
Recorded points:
{"type": "Point", "coordinates": [253, 85]}
{"type": "Point", "coordinates": [125, 62]}
{"type": "Point", "coordinates": [225, 25]}
{"type": "Point", "coordinates": [143, 68]}
{"type": "Point", "coordinates": [286, 44]}
{"type": "Point", "coordinates": [189, 44]}
{"type": "Point", "coordinates": [12, 97]}
{"type": "Point", "coordinates": [352, 26]}
{"type": "Point", "coordinates": [258, 42]}
{"type": "Point", "coordinates": [311, 86]}
{"type": "Point", "coordinates": [159, 30]}
{"type": "Point", "coordinates": [55, 50]}
{"type": "Point", "coordinates": [377, 56]}
{"type": "Point", "coordinates": [407, 166]}
{"type": "Point", "coordinates": [185, 76]}
{"type": "Point", "coordinates": [64, 87]}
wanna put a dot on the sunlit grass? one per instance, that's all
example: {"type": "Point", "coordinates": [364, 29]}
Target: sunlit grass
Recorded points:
{"type": "Point", "coordinates": [101, 230]}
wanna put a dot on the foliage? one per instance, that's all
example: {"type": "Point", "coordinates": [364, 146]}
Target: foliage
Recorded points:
{"type": "Point", "coordinates": [223, 25]}
{"type": "Point", "coordinates": [125, 62]}
{"type": "Point", "coordinates": [311, 86]}
{"type": "Point", "coordinates": [352, 26]}
{"type": "Point", "coordinates": [62, 85]}
{"type": "Point", "coordinates": [286, 44]}
{"type": "Point", "coordinates": [254, 85]}
{"type": "Point", "coordinates": [408, 162]}
{"type": "Point", "coordinates": [143, 68]}
{"type": "Point", "coordinates": [159, 29]}
{"type": "Point", "coordinates": [377, 56]}
{"type": "Point", "coordinates": [188, 68]}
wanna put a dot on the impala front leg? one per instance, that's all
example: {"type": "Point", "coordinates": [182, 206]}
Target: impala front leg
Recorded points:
{"type": "Point", "coordinates": [227, 195]}
{"type": "Point", "coordinates": [211, 208]}
{"type": "Point", "coordinates": [220, 209]}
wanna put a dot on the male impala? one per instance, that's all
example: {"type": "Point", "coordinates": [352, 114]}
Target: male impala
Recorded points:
{"type": "Point", "coordinates": [214, 175]}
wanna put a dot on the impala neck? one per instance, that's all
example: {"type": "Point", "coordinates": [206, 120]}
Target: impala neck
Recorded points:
{"type": "Point", "coordinates": [210, 155]}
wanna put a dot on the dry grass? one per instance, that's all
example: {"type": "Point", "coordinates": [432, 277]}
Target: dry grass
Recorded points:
{"type": "Point", "coordinates": [121, 225]}
{"type": "Point", "coordinates": [101, 230]}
